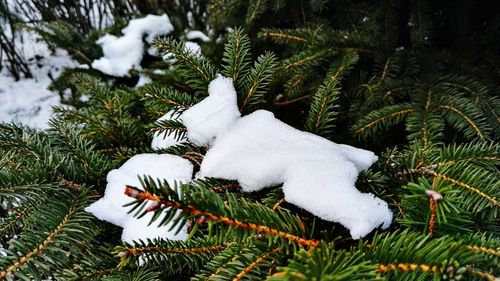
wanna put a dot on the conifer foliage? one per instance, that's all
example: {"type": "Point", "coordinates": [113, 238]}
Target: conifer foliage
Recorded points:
{"type": "Point", "coordinates": [379, 75]}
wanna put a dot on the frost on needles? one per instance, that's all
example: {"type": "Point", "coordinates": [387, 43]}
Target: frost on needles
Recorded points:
{"type": "Point", "coordinates": [258, 151]}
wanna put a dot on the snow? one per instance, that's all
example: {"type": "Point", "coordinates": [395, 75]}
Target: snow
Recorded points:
{"type": "Point", "coordinates": [163, 140]}
{"type": "Point", "coordinates": [260, 151]}
{"type": "Point", "coordinates": [213, 115]}
{"type": "Point", "coordinates": [196, 34]}
{"type": "Point", "coordinates": [28, 101]}
{"type": "Point", "coordinates": [193, 47]}
{"type": "Point", "coordinates": [143, 80]}
{"type": "Point", "coordinates": [436, 196]}
{"type": "Point", "coordinates": [121, 54]}
{"type": "Point", "coordinates": [110, 208]}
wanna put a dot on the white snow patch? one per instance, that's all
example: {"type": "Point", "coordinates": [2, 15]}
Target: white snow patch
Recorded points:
{"type": "Point", "coordinates": [143, 80]}
{"type": "Point", "coordinates": [193, 47]}
{"type": "Point", "coordinates": [196, 34]}
{"type": "Point", "coordinates": [162, 139]}
{"type": "Point", "coordinates": [171, 168]}
{"type": "Point", "coordinates": [260, 151]}
{"type": "Point", "coordinates": [28, 101]}
{"type": "Point", "coordinates": [214, 115]}
{"type": "Point", "coordinates": [121, 54]}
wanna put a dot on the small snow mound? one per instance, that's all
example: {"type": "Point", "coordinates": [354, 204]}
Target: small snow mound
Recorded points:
{"type": "Point", "coordinates": [212, 116]}
{"type": "Point", "coordinates": [121, 54]}
{"type": "Point", "coordinates": [196, 34]}
{"type": "Point", "coordinates": [171, 168]}
{"type": "Point", "coordinates": [259, 151]}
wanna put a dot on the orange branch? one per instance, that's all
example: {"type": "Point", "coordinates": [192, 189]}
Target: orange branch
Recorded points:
{"type": "Point", "coordinates": [143, 195]}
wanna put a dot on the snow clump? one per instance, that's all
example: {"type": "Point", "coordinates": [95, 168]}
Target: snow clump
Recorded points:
{"type": "Point", "coordinates": [259, 151]}
{"type": "Point", "coordinates": [121, 54]}
{"type": "Point", "coordinates": [110, 208]}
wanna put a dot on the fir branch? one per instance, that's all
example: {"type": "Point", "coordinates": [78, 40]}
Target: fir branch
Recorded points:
{"type": "Point", "coordinates": [466, 118]}
{"type": "Point", "coordinates": [63, 223]}
{"type": "Point", "coordinates": [342, 67]}
{"type": "Point", "coordinates": [37, 250]}
{"type": "Point", "coordinates": [196, 70]}
{"type": "Point", "coordinates": [472, 189]}
{"type": "Point", "coordinates": [258, 81]}
{"type": "Point", "coordinates": [192, 210]}
{"type": "Point", "coordinates": [324, 109]}
{"type": "Point", "coordinates": [169, 127]}
{"type": "Point", "coordinates": [391, 114]}
{"type": "Point", "coordinates": [326, 263]}
{"type": "Point", "coordinates": [306, 58]}
{"type": "Point", "coordinates": [255, 9]}
{"type": "Point", "coordinates": [485, 250]}
{"type": "Point", "coordinates": [282, 36]}
{"type": "Point", "coordinates": [9, 223]}
{"type": "Point", "coordinates": [408, 267]}
{"type": "Point", "coordinates": [255, 263]}
{"type": "Point", "coordinates": [176, 255]}
{"type": "Point", "coordinates": [237, 56]}
{"type": "Point", "coordinates": [160, 99]}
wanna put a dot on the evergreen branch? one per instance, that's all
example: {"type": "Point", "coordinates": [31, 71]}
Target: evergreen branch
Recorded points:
{"type": "Point", "coordinates": [237, 56]}
{"type": "Point", "coordinates": [322, 115]}
{"type": "Point", "coordinates": [327, 263]}
{"type": "Point", "coordinates": [408, 267]}
{"type": "Point", "coordinates": [194, 157]}
{"type": "Point", "coordinates": [255, 263]}
{"type": "Point", "coordinates": [483, 249]}
{"type": "Point", "coordinates": [424, 125]}
{"type": "Point", "coordinates": [36, 251]}
{"type": "Point", "coordinates": [283, 103]}
{"type": "Point", "coordinates": [230, 264]}
{"type": "Point", "coordinates": [483, 275]}
{"type": "Point", "coordinates": [394, 113]}
{"type": "Point", "coordinates": [143, 195]}
{"type": "Point", "coordinates": [196, 70]}
{"type": "Point", "coordinates": [343, 66]}
{"type": "Point", "coordinates": [433, 201]}
{"type": "Point", "coordinates": [258, 80]}
{"type": "Point", "coordinates": [464, 185]}
{"type": "Point", "coordinates": [466, 160]}
{"type": "Point", "coordinates": [284, 36]}
{"type": "Point", "coordinates": [384, 72]}
{"type": "Point", "coordinates": [169, 127]}
{"type": "Point", "coordinates": [161, 99]}
{"type": "Point", "coordinates": [54, 226]}
{"type": "Point", "coordinates": [175, 255]}
{"type": "Point", "coordinates": [305, 58]}
{"type": "Point", "coordinates": [255, 8]}
{"type": "Point", "coordinates": [137, 251]}
{"type": "Point", "coordinates": [466, 118]}
{"type": "Point", "coordinates": [430, 171]}
{"type": "Point", "coordinates": [185, 56]}
{"type": "Point", "coordinates": [297, 37]}
{"type": "Point", "coordinates": [8, 224]}
{"type": "Point", "coordinates": [295, 84]}
{"type": "Point", "coordinates": [41, 247]}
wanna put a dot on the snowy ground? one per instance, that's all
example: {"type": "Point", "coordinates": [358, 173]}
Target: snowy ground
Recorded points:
{"type": "Point", "coordinates": [28, 101]}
